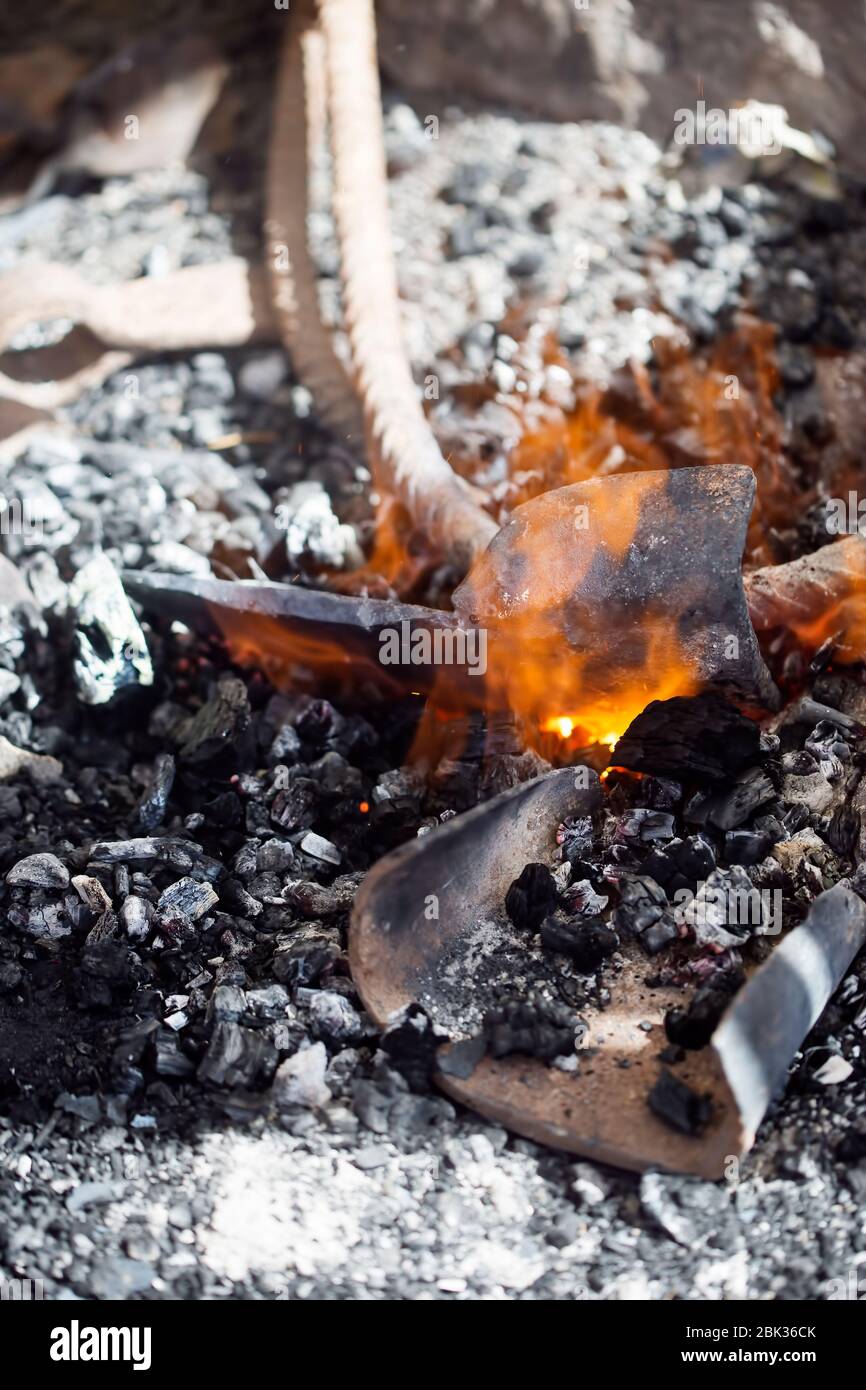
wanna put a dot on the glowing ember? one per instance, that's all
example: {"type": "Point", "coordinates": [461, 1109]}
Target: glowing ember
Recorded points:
{"type": "Point", "coordinates": [565, 725]}
{"type": "Point", "coordinates": [561, 725]}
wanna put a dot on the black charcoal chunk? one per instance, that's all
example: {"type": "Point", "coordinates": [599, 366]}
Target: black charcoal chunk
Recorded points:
{"type": "Point", "coordinates": [588, 943]}
{"type": "Point", "coordinates": [660, 935]}
{"type": "Point", "coordinates": [336, 776]}
{"type": "Point", "coordinates": [642, 902]}
{"type": "Point", "coordinates": [237, 1056]}
{"type": "Point", "coordinates": [398, 794]}
{"type": "Point", "coordinates": [38, 871]}
{"type": "Point", "coordinates": [661, 793]}
{"type": "Point", "coordinates": [660, 864]}
{"type": "Point", "coordinates": [693, 1027]}
{"type": "Point", "coordinates": [235, 899]}
{"type": "Point", "coordinates": [224, 810]}
{"type": "Point", "coordinates": [678, 1106]}
{"type": "Point", "coordinates": [531, 897]}
{"type": "Point", "coordinates": [532, 1026]}
{"type": "Point", "coordinates": [698, 737]}
{"type": "Point", "coordinates": [318, 721]}
{"type": "Point", "coordinates": [286, 747]}
{"type": "Point", "coordinates": [411, 1042]}
{"type": "Point", "coordinates": [852, 1147]}
{"type": "Point", "coordinates": [292, 807]}
{"type": "Point", "coordinates": [582, 871]}
{"type": "Point", "coordinates": [11, 976]}
{"type": "Point", "coordinates": [221, 728]}
{"type": "Point", "coordinates": [645, 826]}
{"type": "Point", "coordinates": [695, 858]}
{"type": "Point", "coordinates": [152, 807]}
{"type": "Point", "coordinates": [269, 1002]}
{"type": "Point", "coordinates": [621, 858]}
{"type": "Point", "coordinates": [729, 808]}
{"type": "Point", "coordinates": [169, 1060]}
{"type": "Point", "coordinates": [187, 898]}
{"type": "Point", "coordinates": [305, 960]}
{"type": "Point", "coordinates": [105, 971]}
{"type": "Point", "coordinates": [747, 847]}
{"type": "Point", "coordinates": [274, 856]}
{"type": "Point", "coordinates": [332, 1017]}
{"type": "Point", "coordinates": [183, 855]}
{"type": "Point", "coordinates": [842, 829]}
{"type": "Point", "coordinates": [795, 817]}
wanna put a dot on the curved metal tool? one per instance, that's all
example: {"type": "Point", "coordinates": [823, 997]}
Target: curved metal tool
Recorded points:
{"type": "Point", "coordinates": [400, 953]}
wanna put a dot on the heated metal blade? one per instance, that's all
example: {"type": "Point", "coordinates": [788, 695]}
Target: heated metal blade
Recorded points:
{"type": "Point", "coordinates": [284, 625]}
{"type": "Point", "coordinates": [622, 568]}
{"type": "Point", "coordinates": [401, 952]}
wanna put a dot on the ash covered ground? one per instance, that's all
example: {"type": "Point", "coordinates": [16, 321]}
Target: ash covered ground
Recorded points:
{"type": "Point", "coordinates": [193, 1102]}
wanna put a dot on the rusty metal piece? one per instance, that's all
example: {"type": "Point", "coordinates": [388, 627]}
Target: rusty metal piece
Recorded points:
{"type": "Point", "coordinates": [617, 567]}
{"type": "Point", "coordinates": [405, 457]}
{"type": "Point", "coordinates": [298, 137]}
{"type": "Point", "coordinates": [221, 305]}
{"type": "Point", "coordinates": [399, 951]}
{"type": "Point", "coordinates": [282, 625]}
{"type": "Point", "coordinates": [814, 595]}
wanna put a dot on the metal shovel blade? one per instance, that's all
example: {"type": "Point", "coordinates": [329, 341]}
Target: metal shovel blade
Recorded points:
{"type": "Point", "coordinates": [401, 953]}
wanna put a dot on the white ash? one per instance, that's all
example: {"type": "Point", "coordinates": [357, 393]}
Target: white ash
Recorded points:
{"type": "Point", "coordinates": [494, 957]}
{"type": "Point", "coordinates": [111, 651]}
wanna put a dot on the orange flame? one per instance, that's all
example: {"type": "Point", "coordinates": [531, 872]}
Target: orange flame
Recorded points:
{"type": "Point", "coordinates": [707, 407]}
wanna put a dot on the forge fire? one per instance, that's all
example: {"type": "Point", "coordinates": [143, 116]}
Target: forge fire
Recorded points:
{"type": "Point", "coordinates": [433, 662]}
